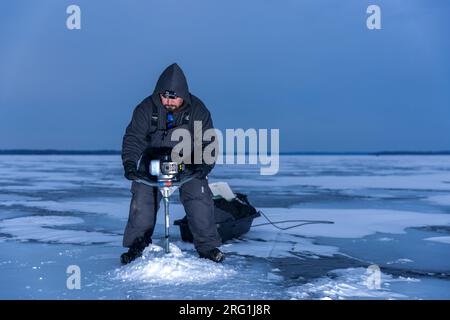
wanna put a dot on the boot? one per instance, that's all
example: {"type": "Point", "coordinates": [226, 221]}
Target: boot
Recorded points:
{"type": "Point", "coordinates": [215, 255]}
{"type": "Point", "coordinates": [135, 251]}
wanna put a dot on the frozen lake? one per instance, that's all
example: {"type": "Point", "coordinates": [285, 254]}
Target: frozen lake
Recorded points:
{"type": "Point", "coordinates": [388, 211]}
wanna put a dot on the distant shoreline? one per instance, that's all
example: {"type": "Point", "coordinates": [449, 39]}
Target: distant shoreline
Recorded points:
{"type": "Point", "coordinates": [117, 152]}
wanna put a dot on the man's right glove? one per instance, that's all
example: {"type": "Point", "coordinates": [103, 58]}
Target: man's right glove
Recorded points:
{"type": "Point", "coordinates": [131, 172]}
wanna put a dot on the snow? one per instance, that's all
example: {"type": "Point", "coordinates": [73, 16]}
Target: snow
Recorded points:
{"type": "Point", "coordinates": [400, 261]}
{"type": "Point", "coordinates": [42, 228]}
{"type": "Point", "coordinates": [439, 239]}
{"type": "Point", "coordinates": [174, 268]}
{"type": "Point", "coordinates": [351, 283]}
{"type": "Point", "coordinates": [385, 239]}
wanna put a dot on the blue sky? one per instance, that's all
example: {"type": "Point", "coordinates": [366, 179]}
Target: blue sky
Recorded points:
{"type": "Point", "coordinates": [308, 67]}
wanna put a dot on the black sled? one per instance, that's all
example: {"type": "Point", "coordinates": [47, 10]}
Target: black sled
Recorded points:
{"type": "Point", "coordinates": [233, 218]}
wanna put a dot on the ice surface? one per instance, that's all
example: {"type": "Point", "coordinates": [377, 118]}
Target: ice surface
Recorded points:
{"type": "Point", "coordinates": [352, 223]}
{"type": "Point", "coordinates": [266, 244]}
{"type": "Point", "coordinates": [116, 207]}
{"type": "Point", "coordinates": [441, 199]}
{"type": "Point", "coordinates": [414, 182]}
{"type": "Point", "coordinates": [57, 211]}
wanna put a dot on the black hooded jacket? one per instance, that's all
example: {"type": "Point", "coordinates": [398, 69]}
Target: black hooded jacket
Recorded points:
{"type": "Point", "coordinates": [141, 135]}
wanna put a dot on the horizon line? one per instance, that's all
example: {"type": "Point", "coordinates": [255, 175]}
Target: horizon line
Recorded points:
{"type": "Point", "coordinates": [118, 152]}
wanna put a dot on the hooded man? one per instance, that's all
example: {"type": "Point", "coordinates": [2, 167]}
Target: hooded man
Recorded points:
{"type": "Point", "coordinates": [170, 107]}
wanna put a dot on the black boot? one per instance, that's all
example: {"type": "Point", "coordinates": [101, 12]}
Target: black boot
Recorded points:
{"type": "Point", "coordinates": [215, 255]}
{"type": "Point", "coordinates": [135, 251]}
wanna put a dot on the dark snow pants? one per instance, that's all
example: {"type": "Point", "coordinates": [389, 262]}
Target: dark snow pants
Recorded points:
{"type": "Point", "coordinates": [196, 198]}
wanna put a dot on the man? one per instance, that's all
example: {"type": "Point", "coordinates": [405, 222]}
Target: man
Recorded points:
{"type": "Point", "coordinates": [170, 107]}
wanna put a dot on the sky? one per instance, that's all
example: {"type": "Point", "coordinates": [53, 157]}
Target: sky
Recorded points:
{"type": "Point", "coordinates": [310, 68]}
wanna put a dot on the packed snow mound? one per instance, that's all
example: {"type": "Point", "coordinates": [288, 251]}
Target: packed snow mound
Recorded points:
{"type": "Point", "coordinates": [176, 267]}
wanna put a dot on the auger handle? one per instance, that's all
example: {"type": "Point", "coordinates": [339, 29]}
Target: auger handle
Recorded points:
{"type": "Point", "coordinates": [162, 184]}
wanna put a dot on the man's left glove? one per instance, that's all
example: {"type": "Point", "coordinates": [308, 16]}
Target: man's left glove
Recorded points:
{"type": "Point", "coordinates": [202, 170]}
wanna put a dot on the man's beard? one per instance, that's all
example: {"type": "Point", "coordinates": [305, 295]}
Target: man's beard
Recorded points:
{"type": "Point", "coordinates": [171, 108]}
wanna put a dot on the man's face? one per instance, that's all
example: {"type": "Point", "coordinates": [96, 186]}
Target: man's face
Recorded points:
{"type": "Point", "coordinates": [171, 104]}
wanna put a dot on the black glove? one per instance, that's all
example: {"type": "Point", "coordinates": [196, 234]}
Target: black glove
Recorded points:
{"type": "Point", "coordinates": [199, 170]}
{"type": "Point", "coordinates": [202, 170]}
{"type": "Point", "coordinates": [187, 172]}
{"type": "Point", "coordinates": [131, 172]}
